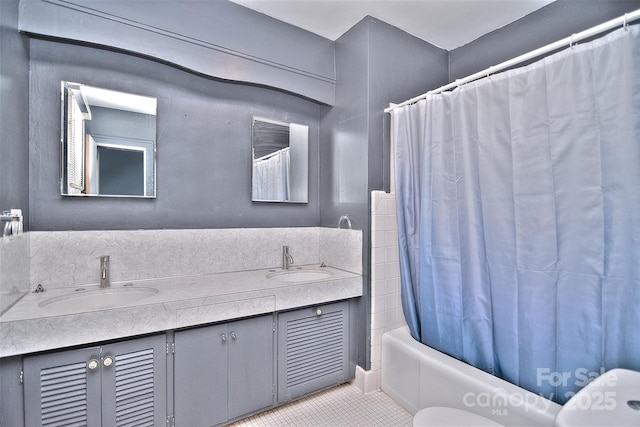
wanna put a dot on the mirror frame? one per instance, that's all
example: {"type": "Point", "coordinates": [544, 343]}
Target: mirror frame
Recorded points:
{"type": "Point", "coordinates": [296, 160]}
{"type": "Point", "coordinates": [92, 143]}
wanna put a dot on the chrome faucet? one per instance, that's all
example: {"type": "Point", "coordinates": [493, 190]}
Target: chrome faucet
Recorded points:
{"type": "Point", "coordinates": [104, 271]}
{"type": "Point", "coordinates": [287, 259]}
{"type": "Point", "coordinates": [13, 219]}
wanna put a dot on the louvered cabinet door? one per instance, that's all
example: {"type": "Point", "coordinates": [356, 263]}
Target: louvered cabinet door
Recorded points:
{"type": "Point", "coordinates": [134, 382]}
{"type": "Point", "coordinates": [313, 349]}
{"type": "Point", "coordinates": [63, 388]}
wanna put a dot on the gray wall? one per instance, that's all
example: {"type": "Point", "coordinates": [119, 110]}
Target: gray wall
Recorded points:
{"type": "Point", "coordinates": [217, 38]}
{"type": "Point", "coordinates": [394, 76]}
{"type": "Point", "coordinates": [14, 112]}
{"type": "Point", "coordinates": [203, 143]}
{"type": "Point", "coordinates": [121, 124]}
{"type": "Point", "coordinates": [371, 72]}
{"type": "Point", "coordinates": [553, 22]}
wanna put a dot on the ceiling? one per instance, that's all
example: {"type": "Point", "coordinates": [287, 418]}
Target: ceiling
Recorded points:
{"type": "Point", "coordinates": [445, 23]}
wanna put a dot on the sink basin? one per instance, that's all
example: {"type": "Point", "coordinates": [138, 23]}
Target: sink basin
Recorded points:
{"type": "Point", "coordinates": [99, 298]}
{"type": "Point", "coordinates": [299, 275]}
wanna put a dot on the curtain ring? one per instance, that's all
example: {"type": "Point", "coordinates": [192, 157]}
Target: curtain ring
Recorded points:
{"type": "Point", "coordinates": [489, 71]}
{"type": "Point", "coordinates": [624, 22]}
{"type": "Point", "coordinates": [458, 82]}
{"type": "Point", "coordinates": [571, 43]}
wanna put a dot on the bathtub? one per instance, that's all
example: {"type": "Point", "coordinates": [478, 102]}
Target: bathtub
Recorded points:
{"type": "Point", "coordinates": [417, 376]}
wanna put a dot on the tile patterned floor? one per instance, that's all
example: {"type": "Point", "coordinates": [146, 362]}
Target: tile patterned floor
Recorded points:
{"type": "Point", "coordinates": [340, 406]}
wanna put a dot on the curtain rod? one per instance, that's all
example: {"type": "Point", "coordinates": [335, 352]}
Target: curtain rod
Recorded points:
{"type": "Point", "coordinates": [570, 41]}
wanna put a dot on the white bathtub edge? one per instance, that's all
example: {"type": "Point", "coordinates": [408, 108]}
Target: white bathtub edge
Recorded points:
{"type": "Point", "coordinates": [417, 376]}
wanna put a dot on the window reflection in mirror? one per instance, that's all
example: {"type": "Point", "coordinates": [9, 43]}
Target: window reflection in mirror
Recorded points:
{"type": "Point", "coordinates": [108, 143]}
{"type": "Point", "coordinates": [280, 161]}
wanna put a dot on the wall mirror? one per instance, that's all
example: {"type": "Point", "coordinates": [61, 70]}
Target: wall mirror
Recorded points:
{"type": "Point", "coordinates": [280, 161]}
{"type": "Point", "coordinates": [108, 143]}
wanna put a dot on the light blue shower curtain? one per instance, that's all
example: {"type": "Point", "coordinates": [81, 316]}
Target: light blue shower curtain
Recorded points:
{"type": "Point", "coordinates": [519, 217]}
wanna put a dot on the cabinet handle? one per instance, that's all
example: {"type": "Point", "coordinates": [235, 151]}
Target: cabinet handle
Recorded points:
{"type": "Point", "coordinates": [233, 335]}
{"type": "Point", "coordinates": [107, 361]}
{"type": "Point", "coordinates": [93, 364]}
{"type": "Point", "coordinates": [223, 337]}
{"type": "Point", "coordinates": [318, 311]}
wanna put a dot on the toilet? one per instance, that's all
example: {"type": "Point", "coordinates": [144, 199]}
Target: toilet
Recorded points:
{"type": "Point", "coordinates": [611, 399]}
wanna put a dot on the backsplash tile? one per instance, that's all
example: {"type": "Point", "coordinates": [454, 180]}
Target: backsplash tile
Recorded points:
{"type": "Point", "coordinates": [70, 258]}
{"type": "Point", "coordinates": [14, 269]}
{"type": "Point", "coordinates": [337, 248]}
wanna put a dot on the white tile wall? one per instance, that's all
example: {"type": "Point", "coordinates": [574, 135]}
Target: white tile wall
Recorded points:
{"type": "Point", "coordinates": [386, 308]}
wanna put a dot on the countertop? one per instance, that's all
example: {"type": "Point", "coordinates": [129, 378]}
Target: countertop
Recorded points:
{"type": "Point", "coordinates": [32, 325]}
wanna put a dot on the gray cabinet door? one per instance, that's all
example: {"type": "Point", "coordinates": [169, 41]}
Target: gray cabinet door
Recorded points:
{"type": "Point", "coordinates": [121, 384]}
{"type": "Point", "coordinates": [251, 378]}
{"type": "Point", "coordinates": [11, 396]}
{"type": "Point", "coordinates": [200, 370]}
{"type": "Point", "coordinates": [134, 382]}
{"type": "Point", "coordinates": [223, 372]}
{"type": "Point", "coordinates": [313, 349]}
{"type": "Point", "coordinates": [63, 388]}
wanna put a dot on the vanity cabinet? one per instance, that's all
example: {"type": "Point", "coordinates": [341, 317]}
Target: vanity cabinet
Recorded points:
{"type": "Point", "coordinates": [117, 384]}
{"type": "Point", "coordinates": [222, 372]}
{"type": "Point", "coordinates": [313, 349]}
{"type": "Point", "coordinates": [202, 376]}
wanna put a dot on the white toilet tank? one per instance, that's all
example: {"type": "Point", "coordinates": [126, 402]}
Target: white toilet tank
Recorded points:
{"type": "Point", "coordinates": [612, 399]}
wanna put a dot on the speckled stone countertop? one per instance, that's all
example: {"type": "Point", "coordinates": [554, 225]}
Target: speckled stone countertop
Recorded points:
{"type": "Point", "coordinates": [32, 325]}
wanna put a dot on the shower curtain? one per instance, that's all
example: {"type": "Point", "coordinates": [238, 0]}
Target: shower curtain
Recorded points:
{"type": "Point", "coordinates": [271, 176]}
{"type": "Point", "coordinates": [518, 200]}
